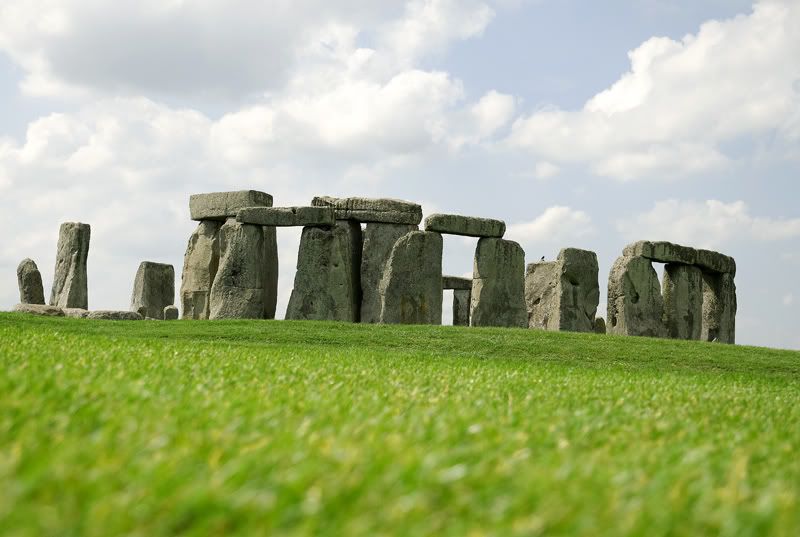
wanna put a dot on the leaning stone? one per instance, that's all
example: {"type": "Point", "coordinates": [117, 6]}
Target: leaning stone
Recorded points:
{"type": "Point", "coordinates": [379, 210]}
{"type": "Point", "coordinates": [223, 205]}
{"type": "Point", "coordinates": [76, 313]}
{"type": "Point", "coordinates": [411, 288]}
{"type": "Point", "coordinates": [286, 216]}
{"type": "Point", "coordinates": [498, 284]}
{"type": "Point", "coordinates": [719, 308]}
{"type": "Point", "coordinates": [379, 239]}
{"type": "Point", "coordinates": [200, 265]}
{"type": "Point", "coordinates": [662, 251]}
{"type": "Point", "coordinates": [326, 284]}
{"type": "Point", "coordinates": [40, 309]}
{"type": "Point", "coordinates": [461, 305]}
{"type": "Point", "coordinates": [110, 315]}
{"type": "Point", "coordinates": [456, 282]}
{"type": "Point", "coordinates": [716, 262]}
{"type": "Point", "coordinates": [635, 305]}
{"type": "Point", "coordinates": [599, 325]}
{"type": "Point", "coordinates": [153, 289]}
{"type": "Point", "coordinates": [469, 226]}
{"type": "Point", "coordinates": [70, 288]}
{"type": "Point", "coordinates": [31, 290]}
{"type": "Point", "coordinates": [683, 300]}
{"type": "Point", "coordinates": [238, 290]}
{"type": "Point", "coordinates": [170, 313]}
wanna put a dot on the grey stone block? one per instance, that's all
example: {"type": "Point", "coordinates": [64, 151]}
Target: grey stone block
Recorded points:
{"type": "Point", "coordinates": [76, 313]}
{"type": "Point", "coordinates": [461, 305]}
{"type": "Point", "coordinates": [469, 226]}
{"type": "Point", "coordinates": [70, 287]}
{"type": "Point", "coordinates": [29, 279]}
{"type": "Point", "coordinates": [719, 308]}
{"type": "Point", "coordinates": [683, 300]}
{"type": "Point", "coordinates": [599, 325]}
{"type": "Point", "coordinates": [379, 210]}
{"type": "Point", "coordinates": [716, 262]}
{"type": "Point", "coordinates": [411, 288]}
{"type": "Point", "coordinates": [170, 313]}
{"type": "Point", "coordinates": [326, 284]}
{"type": "Point", "coordinates": [456, 282]}
{"type": "Point", "coordinates": [287, 216]}
{"type": "Point", "coordinates": [379, 239]}
{"type": "Point", "coordinates": [40, 309]}
{"type": "Point", "coordinates": [635, 305]}
{"type": "Point", "coordinates": [111, 315]}
{"type": "Point", "coordinates": [200, 265]}
{"type": "Point", "coordinates": [498, 284]}
{"type": "Point", "coordinates": [270, 272]}
{"type": "Point", "coordinates": [662, 251]}
{"type": "Point", "coordinates": [153, 289]}
{"type": "Point", "coordinates": [223, 205]}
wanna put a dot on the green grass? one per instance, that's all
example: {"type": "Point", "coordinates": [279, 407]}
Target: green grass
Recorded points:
{"type": "Point", "coordinates": [291, 428]}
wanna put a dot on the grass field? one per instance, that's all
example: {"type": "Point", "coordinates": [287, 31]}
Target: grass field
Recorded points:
{"type": "Point", "coordinates": [292, 428]}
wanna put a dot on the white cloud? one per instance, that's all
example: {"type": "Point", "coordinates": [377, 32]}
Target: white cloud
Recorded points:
{"type": "Point", "coordinates": [555, 224]}
{"type": "Point", "coordinates": [545, 170]}
{"type": "Point", "coordinates": [671, 114]}
{"type": "Point", "coordinates": [707, 224]}
{"type": "Point", "coordinates": [788, 299]}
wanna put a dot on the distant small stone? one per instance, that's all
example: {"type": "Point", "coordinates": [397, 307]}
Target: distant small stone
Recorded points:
{"type": "Point", "coordinates": [153, 289]}
{"type": "Point", "coordinates": [170, 313]}
{"type": "Point", "coordinates": [111, 315]}
{"type": "Point", "coordinates": [599, 325]}
{"type": "Point", "coordinates": [31, 290]}
{"type": "Point", "coordinates": [76, 313]}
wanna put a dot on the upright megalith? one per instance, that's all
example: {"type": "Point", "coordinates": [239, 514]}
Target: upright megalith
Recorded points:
{"type": "Point", "coordinates": [270, 272]}
{"type": "Point", "coordinates": [462, 297]}
{"type": "Point", "coordinates": [468, 226]}
{"type": "Point", "coordinates": [153, 289]}
{"type": "Point", "coordinates": [381, 210]}
{"type": "Point", "coordinates": [683, 300]}
{"type": "Point", "coordinates": [563, 294]}
{"type": "Point", "coordinates": [200, 265]}
{"type": "Point", "coordinates": [635, 305]}
{"type": "Point", "coordinates": [70, 287]}
{"type": "Point", "coordinates": [223, 205]}
{"type": "Point", "coordinates": [498, 284]}
{"type": "Point", "coordinates": [719, 308]}
{"type": "Point", "coordinates": [411, 287]}
{"type": "Point", "coordinates": [326, 284]}
{"type": "Point", "coordinates": [379, 239]}
{"type": "Point", "coordinates": [238, 290]}
{"type": "Point", "coordinates": [31, 290]}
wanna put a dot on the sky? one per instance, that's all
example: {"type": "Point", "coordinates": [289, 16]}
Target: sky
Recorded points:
{"type": "Point", "coordinates": [579, 123]}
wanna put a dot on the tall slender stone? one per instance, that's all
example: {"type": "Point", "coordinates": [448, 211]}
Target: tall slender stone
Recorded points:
{"type": "Point", "coordinates": [719, 308]}
{"type": "Point", "coordinates": [238, 288]}
{"type": "Point", "coordinates": [498, 284]}
{"type": "Point", "coordinates": [379, 239]}
{"type": "Point", "coordinates": [70, 287]}
{"type": "Point", "coordinates": [635, 305]}
{"type": "Point", "coordinates": [326, 284]}
{"type": "Point", "coordinates": [683, 300]}
{"type": "Point", "coordinates": [153, 289]}
{"type": "Point", "coordinates": [461, 305]}
{"type": "Point", "coordinates": [31, 290]}
{"type": "Point", "coordinates": [200, 265]}
{"type": "Point", "coordinates": [270, 272]}
{"type": "Point", "coordinates": [411, 288]}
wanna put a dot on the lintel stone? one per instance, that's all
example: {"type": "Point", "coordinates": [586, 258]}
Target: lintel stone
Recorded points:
{"type": "Point", "coordinates": [662, 252]}
{"type": "Point", "coordinates": [379, 210]}
{"type": "Point", "coordinates": [456, 282]}
{"type": "Point", "coordinates": [469, 226]}
{"type": "Point", "coordinates": [223, 205]}
{"type": "Point", "coordinates": [287, 216]}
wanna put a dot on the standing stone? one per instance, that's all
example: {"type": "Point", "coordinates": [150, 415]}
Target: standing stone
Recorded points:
{"type": "Point", "coordinates": [719, 308]}
{"type": "Point", "coordinates": [379, 239]}
{"type": "Point", "coordinates": [411, 288]}
{"type": "Point", "coordinates": [635, 305]}
{"type": "Point", "coordinates": [31, 290]}
{"type": "Point", "coordinates": [461, 305]}
{"type": "Point", "coordinates": [70, 288]}
{"type": "Point", "coordinates": [563, 294]}
{"type": "Point", "coordinates": [170, 313]}
{"type": "Point", "coordinates": [153, 289]}
{"type": "Point", "coordinates": [270, 272]}
{"type": "Point", "coordinates": [599, 325]}
{"type": "Point", "coordinates": [498, 284]}
{"type": "Point", "coordinates": [238, 288]}
{"type": "Point", "coordinates": [326, 284]}
{"type": "Point", "coordinates": [199, 269]}
{"type": "Point", "coordinates": [683, 301]}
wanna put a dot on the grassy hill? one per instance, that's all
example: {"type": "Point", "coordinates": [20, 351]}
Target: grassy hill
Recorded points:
{"type": "Point", "coordinates": [265, 427]}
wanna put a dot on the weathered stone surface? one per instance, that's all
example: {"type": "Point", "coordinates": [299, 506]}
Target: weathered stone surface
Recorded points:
{"type": "Point", "coordinates": [238, 289]}
{"type": "Point", "coordinates": [719, 308]}
{"type": "Point", "coordinates": [563, 294]}
{"type": "Point", "coordinates": [31, 290]}
{"type": "Point", "coordinates": [683, 300]}
{"type": "Point", "coordinates": [469, 226]}
{"type": "Point", "coordinates": [70, 288]}
{"type": "Point", "coordinates": [170, 313]}
{"type": "Point", "coordinates": [456, 282]}
{"type": "Point", "coordinates": [270, 272]}
{"type": "Point", "coordinates": [716, 262]}
{"type": "Point", "coordinates": [461, 305]}
{"type": "Point", "coordinates": [111, 315]}
{"type": "Point", "coordinates": [76, 313]}
{"type": "Point", "coordinates": [326, 284]}
{"type": "Point", "coordinates": [498, 284]}
{"type": "Point", "coordinates": [662, 251]}
{"type": "Point", "coordinates": [599, 325]}
{"type": "Point", "coordinates": [223, 205]}
{"type": "Point", "coordinates": [379, 239]}
{"type": "Point", "coordinates": [200, 265]}
{"type": "Point", "coordinates": [40, 309]}
{"type": "Point", "coordinates": [635, 305]}
{"type": "Point", "coordinates": [153, 289]}
{"type": "Point", "coordinates": [379, 210]}
{"type": "Point", "coordinates": [411, 288]}
{"type": "Point", "coordinates": [287, 216]}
